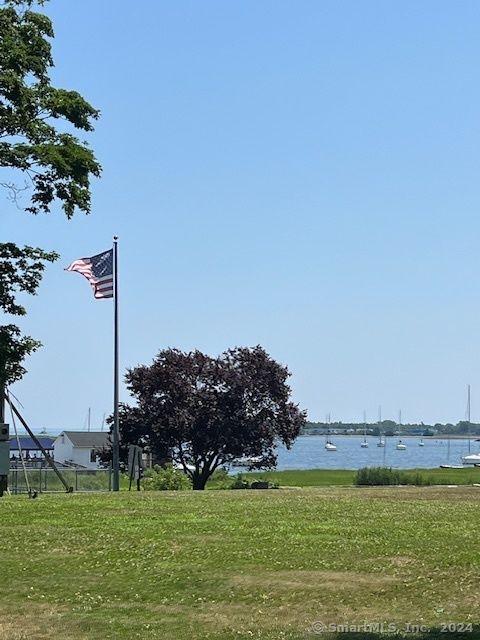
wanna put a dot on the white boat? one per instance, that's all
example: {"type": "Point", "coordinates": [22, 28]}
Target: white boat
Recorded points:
{"type": "Point", "coordinates": [473, 458]}
{"type": "Point", "coordinates": [364, 443]}
{"type": "Point", "coordinates": [421, 443]}
{"type": "Point", "coordinates": [381, 441]}
{"type": "Point", "coordinates": [451, 466]}
{"type": "Point", "coordinates": [245, 461]}
{"type": "Point", "coordinates": [329, 446]}
{"type": "Point", "coordinates": [468, 420]}
{"type": "Point", "coordinates": [179, 466]}
{"type": "Point", "coordinates": [400, 446]}
{"type": "Point", "coordinates": [470, 458]}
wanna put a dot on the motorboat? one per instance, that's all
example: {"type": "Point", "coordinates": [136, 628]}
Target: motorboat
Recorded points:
{"type": "Point", "coordinates": [421, 443]}
{"type": "Point", "coordinates": [473, 458]}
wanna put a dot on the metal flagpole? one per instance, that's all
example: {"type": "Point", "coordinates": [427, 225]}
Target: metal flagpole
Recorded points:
{"type": "Point", "coordinates": [115, 453]}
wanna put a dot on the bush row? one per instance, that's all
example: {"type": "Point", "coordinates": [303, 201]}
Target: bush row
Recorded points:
{"type": "Point", "coordinates": [380, 476]}
{"type": "Point", "coordinates": [168, 478]}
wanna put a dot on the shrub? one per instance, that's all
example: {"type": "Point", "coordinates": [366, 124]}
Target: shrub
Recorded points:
{"type": "Point", "coordinates": [381, 476]}
{"type": "Point", "coordinates": [165, 479]}
{"type": "Point", "coordinates": [219, 479]}
{"type": "Point", "coordinates": [240, 483]}
{"type": "Point", "coordinates": [415, 478]}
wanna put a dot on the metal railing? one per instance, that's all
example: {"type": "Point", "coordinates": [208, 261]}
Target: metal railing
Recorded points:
{"type": "Point", "coordinates": [44, 480]}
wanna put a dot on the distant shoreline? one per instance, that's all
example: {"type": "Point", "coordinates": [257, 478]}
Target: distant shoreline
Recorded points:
{"type": "Point", "coordinates": [440, 436]}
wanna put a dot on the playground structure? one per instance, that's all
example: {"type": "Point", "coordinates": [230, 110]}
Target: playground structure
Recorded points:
{"type": "Point", "coordinates": [5, 450]}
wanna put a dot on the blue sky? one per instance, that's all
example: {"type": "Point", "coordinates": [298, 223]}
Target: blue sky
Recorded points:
{"type": "Point", "coordinates": [301, 175]}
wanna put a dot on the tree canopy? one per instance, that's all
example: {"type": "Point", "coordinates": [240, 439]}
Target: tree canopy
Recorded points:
{"type": "Point", "coordinates": [36, 146]}
{"type": "Point", "coordinates": [204, 412]}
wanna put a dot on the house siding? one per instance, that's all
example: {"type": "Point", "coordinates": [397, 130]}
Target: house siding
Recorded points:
{"type": "Point", "coordinates": [65, 451]}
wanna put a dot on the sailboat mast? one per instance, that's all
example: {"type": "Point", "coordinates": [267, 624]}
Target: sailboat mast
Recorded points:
{"type": "Point", "coordinates": [468, 407]}
{"type": "Point", "coordinates": [468, 417]}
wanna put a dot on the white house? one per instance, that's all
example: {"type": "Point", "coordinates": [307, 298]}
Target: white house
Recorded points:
{"type": "Point", "coordinates": [80, 448]}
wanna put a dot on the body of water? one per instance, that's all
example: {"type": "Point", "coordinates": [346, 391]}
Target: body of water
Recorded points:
{"type": "Point", "coordinates": [309, 452]}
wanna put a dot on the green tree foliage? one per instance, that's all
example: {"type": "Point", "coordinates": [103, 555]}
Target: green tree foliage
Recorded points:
{"type": "Point", "coordinates": [207, 412]}
{"type": "Point", "coordinates": [35, 144]}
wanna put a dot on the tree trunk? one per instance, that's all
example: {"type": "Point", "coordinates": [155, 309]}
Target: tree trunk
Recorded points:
{"type": "Point", "coordinates": [199, 481]}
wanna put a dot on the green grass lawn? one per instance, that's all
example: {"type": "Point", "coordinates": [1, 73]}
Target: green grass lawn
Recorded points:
{"type": "Point", "coordinates": [238, 564]}
{"type": "Point", "coordinates": [339, 477]}
{"type": "Point", "coordinates": [305, 477]}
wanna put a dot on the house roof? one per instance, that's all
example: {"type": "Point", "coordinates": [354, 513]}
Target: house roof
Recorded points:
{"type": "Point", "coordinates": [90, 439]}
{"type": "Point", "coordinates": [28, 444]}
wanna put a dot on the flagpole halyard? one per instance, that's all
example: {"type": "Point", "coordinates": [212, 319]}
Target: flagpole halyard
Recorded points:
{"type": "Point", "coordinates": [115, 441]}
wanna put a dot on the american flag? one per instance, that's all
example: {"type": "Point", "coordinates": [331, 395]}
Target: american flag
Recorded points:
{"type": "Point", "coordinates": [98, 270]}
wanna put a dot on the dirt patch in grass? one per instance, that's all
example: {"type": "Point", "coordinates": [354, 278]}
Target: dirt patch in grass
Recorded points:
{"type": "Point", "coordinates": [402, 561]}
{"type": "Point", "coordinates": [299, 618]}
{"type": "Point", "coordinates": [435, 492]}
{"type": "Point", "coordinates": [311, 580]}
{"type": "Point", "coordinates": [40, 622]}
{"type": "Point", "coordinates": [243, 618]}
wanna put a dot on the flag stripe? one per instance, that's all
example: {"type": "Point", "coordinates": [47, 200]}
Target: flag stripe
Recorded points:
{"type": "Point", "coordinates": [98, 270]}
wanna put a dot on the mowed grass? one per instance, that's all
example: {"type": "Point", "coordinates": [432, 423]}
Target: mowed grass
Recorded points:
{"type": "Point", "coordinates": [345, 477]}
{"type": "Point", "coordinates": [237, 564]}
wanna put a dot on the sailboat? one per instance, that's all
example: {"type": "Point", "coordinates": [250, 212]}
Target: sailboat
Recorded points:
{"type": "Point", "coordinates": [401, 446]}
{"type": "Point", "coordinates": [448, 465]}
{"type": "Point", "coordinates": [329, 446]}
{"type": "Point", "coordinates": [364, 443]}
{"type": "Point", "coordinates": [421, 443]}
{"type": "Point", "coordinates": [471, 458]}
{"type": "Point", "coordinates": [381, 442]}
